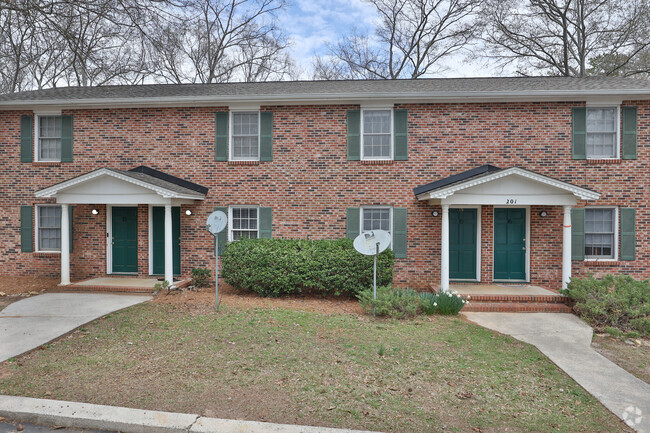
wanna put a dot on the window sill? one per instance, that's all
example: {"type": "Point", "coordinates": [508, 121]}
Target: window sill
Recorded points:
{"type": "Point", "coordinates": [243, 163]}
{"type": "Point", "coordinates": [47, 254]}
{"type": "Point", "coordinates": [603, 161]}
{"type": "Point", "coordinates": [377, 161]}
{"type": "Point", "coordinates": [602, 263]}
{"type": "Point", "coordinates": [46, 163]}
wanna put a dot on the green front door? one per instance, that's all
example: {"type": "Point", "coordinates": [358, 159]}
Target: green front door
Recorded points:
{"type": "Point", "coordinates": [510, 244]}
{"type": "Point", "coordinates": [462, 244]}
{"type": "Point", "coordinates": [125, 239]}
{"type": "Point", "coordinates": [158, 238]}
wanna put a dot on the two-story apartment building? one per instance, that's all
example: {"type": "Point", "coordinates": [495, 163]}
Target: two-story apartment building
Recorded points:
{"type": "Point", "coordinates": [486, 179]}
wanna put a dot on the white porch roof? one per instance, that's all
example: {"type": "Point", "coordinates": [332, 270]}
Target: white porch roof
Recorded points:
{"type": "Point", "coordinates": [515, 186]}
{"type": "Point", "coordinates": [141, 185]}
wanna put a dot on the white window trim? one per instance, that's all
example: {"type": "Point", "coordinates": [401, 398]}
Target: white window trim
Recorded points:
{"type": "Point", "coordinates": [617, 122]}
{"type": "Point", "coordinates": [230, 134]}
{"type": "Point", "coordinates": [37, 136]}
{"type": "Point", "coordinates": [230, 219]}
{"type": "Point", "coordinates": [37, 228]}
{"type": "Point", "coordinates": [392, 144]}
{"type": "Point", "coordinates": [390, 219]}
{"type": "Point", "coordinates": [616, 230]}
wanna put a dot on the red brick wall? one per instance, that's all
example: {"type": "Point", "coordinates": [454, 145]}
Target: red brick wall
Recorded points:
{"type": "Point", "coordinates": [310, 183]}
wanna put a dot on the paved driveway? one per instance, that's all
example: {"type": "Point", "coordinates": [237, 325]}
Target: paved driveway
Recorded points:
{"type": "Point", "coordinates": [32, 322]}
{"type": "Point", "coordinates": [566, 340]}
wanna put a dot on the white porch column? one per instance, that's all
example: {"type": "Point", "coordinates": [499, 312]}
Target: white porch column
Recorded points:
{"type": "Point", "coordinates": [65, 245]}
{"type": "Point", "coordinates": [444, 250]}
{"type": "Point", "coordinates": [169, 251]}
{"type": "Point", "coordinates": [566, 247]}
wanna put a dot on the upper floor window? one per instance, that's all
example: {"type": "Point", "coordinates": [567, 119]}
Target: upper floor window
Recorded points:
{"type": "Point", "coordinates": [602, 132]}
{"type": "Point", "coordinates": [377, 142]}
{"type": "Point", "coordinates": [48, 228]}
{"type": "Point", "coordinates": [600, 233]}
{"type": "Point", "coordinates": [245, 143]}
{"type": "Point", "coordinates": [244, 223]}
{"type": "Point", "coordinates": [48, 130]}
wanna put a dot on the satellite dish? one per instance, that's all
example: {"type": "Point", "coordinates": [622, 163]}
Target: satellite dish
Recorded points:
{"type": "Point", "coordinates": [366, 242]}
{"type": "Point", "coordinates": [216, 222]}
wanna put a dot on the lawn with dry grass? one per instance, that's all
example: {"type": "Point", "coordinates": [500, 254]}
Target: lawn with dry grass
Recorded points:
{"type": "Point", "coordinates": [288, 366]}
{"type": "Point", "coordinates": [635, 358]}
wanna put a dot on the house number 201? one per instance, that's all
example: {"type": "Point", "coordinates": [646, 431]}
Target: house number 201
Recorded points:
{"type": "Point", "coordinates": [511, 201]}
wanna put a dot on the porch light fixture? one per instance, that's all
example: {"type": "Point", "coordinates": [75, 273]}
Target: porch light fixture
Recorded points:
{"type": "Point", "coordinates": [543, 213]}
{"type": "Point", "coordinates": [434, 213]}
{"type": "Point", "coordinates": [188, 212]}
{"type": "Point", "coordinates": [94, 211]}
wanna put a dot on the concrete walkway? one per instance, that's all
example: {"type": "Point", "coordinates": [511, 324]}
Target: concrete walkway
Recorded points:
{"type": "Point", "coordinates": [32, 322]}
{"type": "Point", "coordinates": [566, 340]}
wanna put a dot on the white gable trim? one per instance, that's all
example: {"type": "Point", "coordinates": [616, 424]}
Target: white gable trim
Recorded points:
{"type": "Point", "coordinates": [165, 193]}
{"type": "Point", "coordinates": [447, 192]}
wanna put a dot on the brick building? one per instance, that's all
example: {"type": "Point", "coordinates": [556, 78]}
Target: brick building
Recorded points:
{"type": "Point", "coordinates": [495, 179]}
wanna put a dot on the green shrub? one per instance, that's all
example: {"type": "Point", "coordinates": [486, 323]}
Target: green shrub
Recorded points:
{"type": "Point", "coordinates": [397, 303]}
{"type": "Point", "coordinates": [614, 332]}
{"type": "Point", "coordinates": [428, 303]}
{"type": "Point", "coordinates": [201, 277]}
{"type": "Point", "coordinates": [616, 301]}
{"type": "Point", "coordinates": [450, 303]}
{"type": "Point", "coordinates": [273, 267]}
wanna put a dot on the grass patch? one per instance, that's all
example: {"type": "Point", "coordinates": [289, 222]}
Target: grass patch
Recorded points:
{"type": "Point", "coordinates": [633, 358]}
{"type": "Point", "coordinates": [429, 374]}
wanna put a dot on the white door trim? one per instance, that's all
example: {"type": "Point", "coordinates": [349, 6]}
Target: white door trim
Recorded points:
{"type": "Point", "coordinates": [478, 239]}
{"type": "Point", "coordinates": [527, 264]}
{"type": "Point", "coordinates": [109, 237]}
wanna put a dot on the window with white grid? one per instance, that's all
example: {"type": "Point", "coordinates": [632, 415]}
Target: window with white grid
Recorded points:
{"type": "Point", "coordinates": [602, 127]}
{"type": "Point", "coordinates": [245, 136]}
{"type": "Point", "coordinates": [49, 228]}
{"type": "Point", "coordinates": [243, 223]}
{"type": "Point", "coordinates": [600, 226]}
{"type": "Point", "coordinates": [376, 218]}
{"type": "Point", "coordinates": [49, 138]}
{"type": "Point", "coordinates": [377, 137]}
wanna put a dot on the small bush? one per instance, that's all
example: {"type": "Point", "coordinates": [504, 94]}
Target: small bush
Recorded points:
{"type": "Point", "coordinates": [450, 303]}
{"type": "Point", "coordinates": [397, 303]}
{"type": "Point", "coordinates": [274, 267]}
{"type": "Point", "coordinates": [614, 332]}
{"type": "Point", "coordinates": [617, 301]}
{"type": "Point", "coordinates": [428, 303]}
{"type": "Point", "coordinates": [201, 277]}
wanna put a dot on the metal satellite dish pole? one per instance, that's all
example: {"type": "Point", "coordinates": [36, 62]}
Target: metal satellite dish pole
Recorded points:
{"type": "Point", "coordinates": [371, 243]}
{"type": "Point", "coordinates": [217, 221]}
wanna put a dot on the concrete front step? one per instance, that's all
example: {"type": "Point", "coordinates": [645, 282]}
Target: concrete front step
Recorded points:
{"type": "Point", "coordinates": [516, 307]}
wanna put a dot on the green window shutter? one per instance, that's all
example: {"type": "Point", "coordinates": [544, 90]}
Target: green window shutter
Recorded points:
{"type": "Point", "coordinates": [629, 133]}
{"type": "Point", "coordinates": [628, 235]}
{"type": "Point", "coordinates": [579, 133]}
{"type": "Point", "coordinates": [400, 135]}
{"type": "Point", "coordinates": [266, 222]}
{"type": "Point", "coordinates": [352, 222]}
{"type": "Point", "coordinates": [66, 138]}
{"type": "Point", "coordinates": [222, 237]}
{"type": "Point", "coordinates": [71, 225]}
{"type": "Point", "coordinates": [578, 234]}
{"type": "Point", "coordinates": [354, 135]}
{"type": "Point", "coordinates": [221, 136]}
{"type": "Point", "coordinates": [26, 138]}
{"type": "Point", "coordinates": [26, 229]}
{"type": "Point", "coordinates": [399, 232]}
{"type": "Point", "coordinates": [266, 136]}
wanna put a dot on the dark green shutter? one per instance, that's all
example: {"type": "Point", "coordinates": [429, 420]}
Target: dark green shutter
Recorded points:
{"type": "Point", "coordinates": [26, 138]}
{"type": "Point", "coordinates": [399, 232]}
{"type": "Point", "coordinates": [400, 135]}
{"type": "Point", "coordinates": [629, 133]}
{"type": "Point", "coordinates": [223, 234]}
{"type": "Point", "coordinates": [578, 234]}
{"type": "Point", "coordinates": [26, 229]}
{"type": "Point", "coordinates": [266, 222]}
{"type": "Point", "coordinates": [352, 222]}
{"type": "Point", "coordinates": [354, 135]}
{"type": "Point", "coordinates": [628, 236]}
{"type": "Point", "coordinates": [66, 138]}
{"type": "Point", "coordinates": [266, 136]}
{"type": "Point", "coordinates": [71, 225]}
{"type": "Point", "coordinates": [579, 133]}
{"type": "Point", "coordinates": [221, 136]}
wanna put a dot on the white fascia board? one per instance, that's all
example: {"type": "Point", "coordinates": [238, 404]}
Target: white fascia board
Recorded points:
{"type": "Point", "coordinates": [329, 99]}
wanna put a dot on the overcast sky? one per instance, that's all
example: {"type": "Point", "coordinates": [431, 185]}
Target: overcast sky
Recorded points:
{"type": "Point", "coordinates": [311, 24]}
